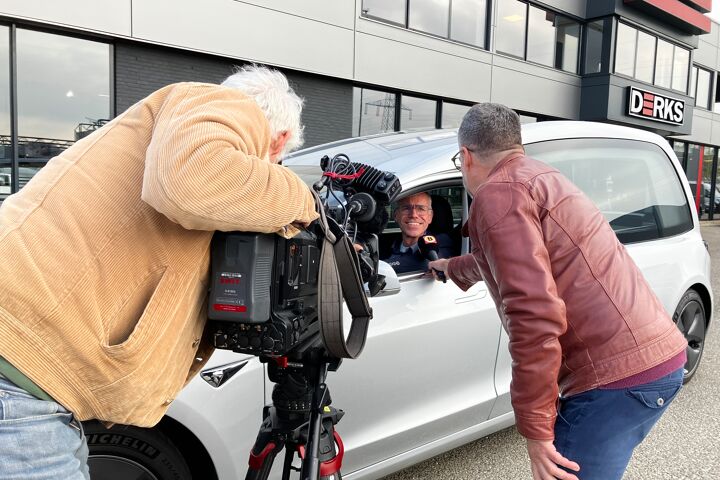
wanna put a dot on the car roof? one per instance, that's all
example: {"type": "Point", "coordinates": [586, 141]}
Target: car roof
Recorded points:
{"type": "Point", "coordinates": [424, 155]}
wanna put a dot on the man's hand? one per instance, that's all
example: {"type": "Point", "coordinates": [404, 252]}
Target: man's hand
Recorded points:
{"type": "Point", "coordinates": [439, 265]}
{"type": "Point", "coordinates": [544, 461]}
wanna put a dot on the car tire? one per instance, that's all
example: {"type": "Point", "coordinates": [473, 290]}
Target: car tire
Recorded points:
{"type": "Point", "coordinates": [132, 453]}
{"type": "Point", "coordinates": [691, 319]}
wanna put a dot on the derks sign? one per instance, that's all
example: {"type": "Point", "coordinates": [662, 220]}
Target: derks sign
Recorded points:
{"type": "Point", "coordinates": [653, 106]}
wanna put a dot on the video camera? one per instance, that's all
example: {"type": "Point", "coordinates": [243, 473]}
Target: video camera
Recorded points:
{"type": "Point", "coordinates": [281, 299]}
{"type": "Point", "coordinates": [264, 288]}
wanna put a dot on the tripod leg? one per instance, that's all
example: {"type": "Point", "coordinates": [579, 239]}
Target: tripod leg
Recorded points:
{"type": "Point", "coordinates": [263, 453]}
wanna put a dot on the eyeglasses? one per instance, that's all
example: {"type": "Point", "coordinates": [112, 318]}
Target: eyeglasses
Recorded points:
{"type": "Point", "coordinates": [408, 209]}
{"type": "Point", "coordinates": [457, 158]}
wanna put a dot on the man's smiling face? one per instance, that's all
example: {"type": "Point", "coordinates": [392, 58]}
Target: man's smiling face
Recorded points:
{"type": "Point", "coordinates": [414, 214]}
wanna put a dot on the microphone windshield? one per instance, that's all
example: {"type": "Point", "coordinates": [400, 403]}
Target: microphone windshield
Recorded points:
{"type": "Point", "coordinates": [429, 247]}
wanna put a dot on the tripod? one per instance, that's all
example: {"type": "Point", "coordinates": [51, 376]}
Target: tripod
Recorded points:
{"type": "Point", "coordinates": [299, 420]}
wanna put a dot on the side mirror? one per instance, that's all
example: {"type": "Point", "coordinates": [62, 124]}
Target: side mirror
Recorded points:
{"type": "Point", "coordinates": [392, 284]}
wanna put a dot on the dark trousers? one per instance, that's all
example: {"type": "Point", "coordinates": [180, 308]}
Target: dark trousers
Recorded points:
{"type": "Point", "coordinates": [599, 429]}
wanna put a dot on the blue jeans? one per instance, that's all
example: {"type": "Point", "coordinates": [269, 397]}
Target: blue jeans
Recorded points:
{"type": "Point", "coordinates": [599, 429]}
{"type": "Point", "coordinates": [39, 440]}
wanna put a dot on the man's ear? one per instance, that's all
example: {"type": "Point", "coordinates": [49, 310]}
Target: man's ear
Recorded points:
{"type": "Point", "coordinates": [277, 145]}
{"type": "Point", "coordinates": [468, 158]}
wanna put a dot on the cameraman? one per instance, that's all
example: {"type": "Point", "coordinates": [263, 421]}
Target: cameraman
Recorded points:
{"type": "Point", "coordinates": [106, 257]}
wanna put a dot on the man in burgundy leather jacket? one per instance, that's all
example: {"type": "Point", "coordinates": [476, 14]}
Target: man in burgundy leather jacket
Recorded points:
{"type": "Point", "coordinates": [596, 358]}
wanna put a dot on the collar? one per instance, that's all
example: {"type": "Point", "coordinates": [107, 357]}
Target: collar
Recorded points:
{"type": "Point", "coordinates": [498, 166]}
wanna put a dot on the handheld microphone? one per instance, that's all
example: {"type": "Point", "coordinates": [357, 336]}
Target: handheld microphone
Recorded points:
{"type": "Point", "coordinates": [429, 247]}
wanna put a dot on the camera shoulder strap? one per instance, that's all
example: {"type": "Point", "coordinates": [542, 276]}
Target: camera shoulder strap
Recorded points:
{"type": "Point", "coordinates": [339, 278]}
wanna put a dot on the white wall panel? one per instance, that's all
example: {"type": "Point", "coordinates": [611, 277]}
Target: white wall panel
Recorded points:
{"type": "Point", "coordinates": [401, 65]}
{"type": "Point", "coordinates": [246, 31]}
{"type": "Point", "coordinates": [706, 54]}
{"type": "Point", "coordinates": [108, 16]}
{"type": "Point", "coordinates": [702, 127]}
{"type": "Point", "coordinates": [336, 12]}
{"type": "Point", "coordinates": [531, 88]}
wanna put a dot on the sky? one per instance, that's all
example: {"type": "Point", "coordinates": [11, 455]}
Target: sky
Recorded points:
{"type": "Point", "coordinates": [715, 13]}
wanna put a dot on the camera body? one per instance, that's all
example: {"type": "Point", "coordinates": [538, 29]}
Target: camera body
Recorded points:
{"type": "Point", "coordinates": [263, 293]}
{"type": "Point", "coordinates": [264, 288]}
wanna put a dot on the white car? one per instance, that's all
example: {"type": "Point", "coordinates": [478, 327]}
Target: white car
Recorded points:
{"type": "Point", "coordinates": [435, 372]}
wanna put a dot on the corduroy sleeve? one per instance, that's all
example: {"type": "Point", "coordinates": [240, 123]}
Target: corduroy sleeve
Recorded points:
{"type": "Point", "coordinates": [206, 167]}
{"type": "Point", "coordinates": [535, 315]}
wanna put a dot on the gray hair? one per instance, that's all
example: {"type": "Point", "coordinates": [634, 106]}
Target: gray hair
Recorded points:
{"type": "Point", "coordinates": [272, 92]}
{"type": "Point", "coordinates": [490, 127]}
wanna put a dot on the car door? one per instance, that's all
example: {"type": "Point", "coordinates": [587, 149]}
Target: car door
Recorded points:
{"type": "Point", "coordinates": [426, 371]}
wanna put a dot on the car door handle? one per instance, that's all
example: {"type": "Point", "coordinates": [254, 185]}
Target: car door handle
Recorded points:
{"type": "Point", "coordinates": [481, 293]}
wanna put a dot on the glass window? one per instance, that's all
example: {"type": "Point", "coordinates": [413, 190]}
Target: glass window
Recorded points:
{"type": "Point", "coordinates": [633, 184]}
{"type": "Point", "coordinates": [645, 60]}
{"type": "Point", "coordinates": [664, 64]}
{"type": "Point", "coordinates": [468, 20]}
{"type": "Point", "coordinates": [541, 36]}
{"type": "Point", "coordinates": [692, 169]}
{"type": "Point", "coordinates": [702, 95]}
{"type": "Point", "coordinates": [373, 111]}
{"type": "Point", "coordinates": [716, 107]}
{"type": "Point", "coordinates": [510, 34]}
{"type": "Point", "coordinates": [681, 62]}
{"type": "Point", "coordinates": [430, 16]}
{"type": "Point", "coordinates": [390, 10]}
{"type": "Point", "coordinates": [568, 44]}
{"type": "Point", "coordinates": [625, 48]}
{"type": "Point", "coordinates": [452, 114]}
{"type": "Point", "coordinates": [708, 198]}
{"type": "Point", "coordinates": [55, 110]}
{"type": "Point", "coordinates": [680, 148]}
{"type": "Point", "coordinates": [417, 113]}
{"type": "Point", "coordinates": [5, 140]}
{"type": "Point", "coordinates": [593, 47]}
{"type": "Point", "coordinates": [717, 194]}
{"type": "Point", "coordinates": [693, 81]}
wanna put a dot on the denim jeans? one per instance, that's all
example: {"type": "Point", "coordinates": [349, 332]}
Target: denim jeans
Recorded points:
{"type": "Point", "coordinates": [39, 440]}
{"type": "Point", "coordinates": [599, 429]}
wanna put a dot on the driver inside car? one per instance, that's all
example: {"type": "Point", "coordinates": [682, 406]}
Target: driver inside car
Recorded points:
{"type": "Point", "coordinates": [414, 215]}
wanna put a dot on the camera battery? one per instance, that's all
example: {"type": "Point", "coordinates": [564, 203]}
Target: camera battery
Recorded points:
{"type": "Point", "coordinates": [241, 274]}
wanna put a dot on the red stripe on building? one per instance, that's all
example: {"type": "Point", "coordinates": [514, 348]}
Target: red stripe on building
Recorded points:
{"type": "Point", "coordinates": [702, 5]}
{"type": "Point", "coordinates": [683, 14]}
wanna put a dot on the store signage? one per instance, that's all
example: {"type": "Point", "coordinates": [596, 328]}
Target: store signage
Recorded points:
{"type": "Point", "coordinates": [654, 106]}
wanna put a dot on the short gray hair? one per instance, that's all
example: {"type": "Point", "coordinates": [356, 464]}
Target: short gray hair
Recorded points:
{"type": "Point", "coordinates": [272, 92]}
{"type": "Point", "coordinates": [490, 127]}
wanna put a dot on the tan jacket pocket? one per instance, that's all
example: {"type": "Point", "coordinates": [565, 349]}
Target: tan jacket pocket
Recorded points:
{"type": "Point", "coordinates": [138, 322]}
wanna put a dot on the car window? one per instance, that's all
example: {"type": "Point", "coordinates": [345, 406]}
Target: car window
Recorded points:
{"type": "Point", "coordinates": [446, 222]}
{"type": "Point", "coordinates": [633, 183]}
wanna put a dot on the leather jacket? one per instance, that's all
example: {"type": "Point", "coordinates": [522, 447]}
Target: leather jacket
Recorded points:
{"type": "Point", "coordinates": [578, 311]}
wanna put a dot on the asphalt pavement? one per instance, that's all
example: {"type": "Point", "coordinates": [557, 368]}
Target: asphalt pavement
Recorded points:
{"type": "Point", "coordinates": [685, 444]}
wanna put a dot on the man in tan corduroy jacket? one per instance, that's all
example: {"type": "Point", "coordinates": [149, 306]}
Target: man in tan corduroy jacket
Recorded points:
{"type": "Point", "coordinates": [105, 256]}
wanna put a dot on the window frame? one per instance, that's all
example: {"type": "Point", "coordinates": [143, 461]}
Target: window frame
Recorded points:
{"type": "Point", "coordinates": [580, 47]}
{"type": "Point", "coordinates": [683, 228]}
{"type": "Point", "coordinates": [454, 182]}
{"type": "Point", "coordinates": [406, 24]}
{"type": "Point", "coordinates": [657, 38]}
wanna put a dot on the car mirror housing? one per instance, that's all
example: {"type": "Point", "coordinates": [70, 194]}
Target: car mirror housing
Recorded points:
{"type": "Point", "coordinates": [392, 284]}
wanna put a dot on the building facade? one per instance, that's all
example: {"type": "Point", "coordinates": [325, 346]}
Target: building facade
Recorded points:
{"type": "Point", "coordinates": [368, 66]}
